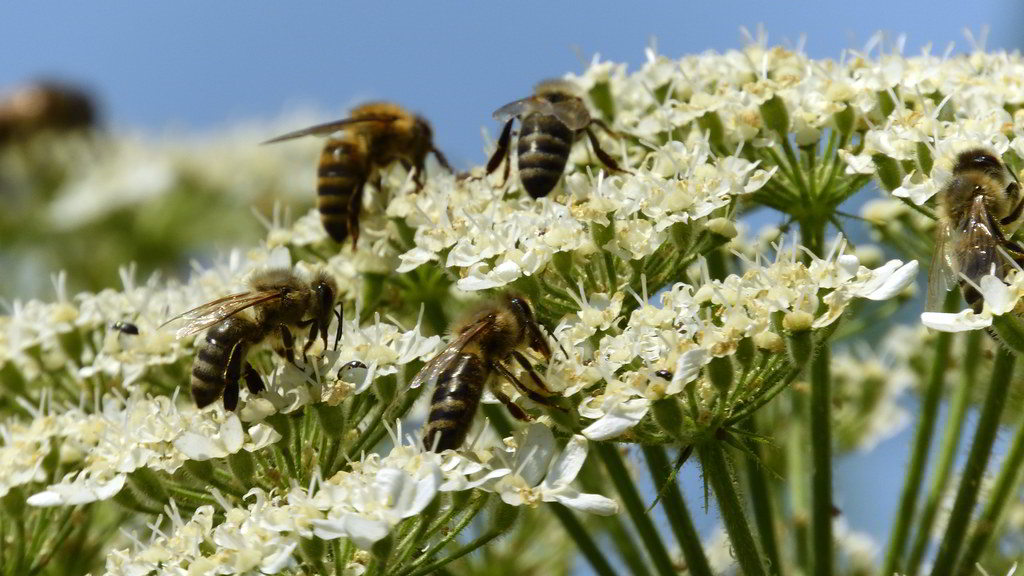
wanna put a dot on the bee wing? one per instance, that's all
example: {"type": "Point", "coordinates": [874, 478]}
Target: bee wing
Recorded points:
{"type": "Point", "coordinates": [976, 244]}
{"type": "Point", "coordinates": [432, 369]}
{"type": "Point", "coordinates": [202, 317]}
{"type": "Point", "coordinates": [522, 108]}
{"type": "Point", "coordinates": [942, 275]}
{"type": "Point", "coordinates": [572, 112]}
{"type": "Point", "coordinates": [331, 127]}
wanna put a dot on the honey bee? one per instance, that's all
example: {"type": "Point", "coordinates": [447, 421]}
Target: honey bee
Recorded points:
{"type": "Point", "coordinates": [550, 122]}
{"type": "Point", "coordinates": [374, 136]}
{"type": "Point", "coordinates": [280, 301]}
{"type": "Point", "coordinates": [482, 344]}
{"type": "Point", "coordinates": [44, 106]}
{"type": "Point", "coordinates": [980, 207]}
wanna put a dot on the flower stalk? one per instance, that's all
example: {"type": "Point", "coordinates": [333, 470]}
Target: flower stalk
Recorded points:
{"type": "Point", "coordinates": [977, 460]}
{"type": "Point", "coordinates": [723, 483]}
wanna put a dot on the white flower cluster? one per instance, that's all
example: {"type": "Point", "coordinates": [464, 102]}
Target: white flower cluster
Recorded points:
{"type": "Point", "coordinates": [692, 325]}
{"type": "Point", "coordinates": [363, 504]}
{"type": "Point", "coordinates": [490, 241]}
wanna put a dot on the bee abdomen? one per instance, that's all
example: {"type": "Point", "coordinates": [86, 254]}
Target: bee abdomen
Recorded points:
{"type": "Point", "coordinates": [543, 150]}
{"type": "Point", "coordinates": [454, 403]}
{"type": "Point", "coordinates": [211, 369]}
{"type": "Point", "coordinates": [340, 174]}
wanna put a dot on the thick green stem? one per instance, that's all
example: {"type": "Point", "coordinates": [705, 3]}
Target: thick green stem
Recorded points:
{"type": "Point", "coordinates": [977, 460]}
{"type": "Point", "coordinates": [584, 542]}
{"type": "Point", "coordinates": [1005, 486]}
{"type": "Point", "coordinates": [762, 505]}
{"type": "Point", "coordinates": [922, 440]}
{"type": "Point", "coordinates": [675, 509]}
{"type": "Point", "coordinates": [717, 473]}
{"type": "Point", "coordinates": [947, 452]}
{"type": "Point", "coordinates": [821, 462]}
{"type": "Point", "coordinates": [609, 455]}
{"type": "Point", "coordinates": [799, 492]}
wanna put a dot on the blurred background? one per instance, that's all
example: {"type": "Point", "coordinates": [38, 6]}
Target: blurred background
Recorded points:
{"type": "Point", "coordinates": [183, 92]}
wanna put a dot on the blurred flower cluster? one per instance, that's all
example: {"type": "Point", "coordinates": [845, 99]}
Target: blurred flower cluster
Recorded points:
{"type": "Point", "coordinates": [675, 337]}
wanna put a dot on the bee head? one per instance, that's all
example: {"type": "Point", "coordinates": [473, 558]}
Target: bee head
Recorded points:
{"type": "Point", "coordinates": [524, 314]}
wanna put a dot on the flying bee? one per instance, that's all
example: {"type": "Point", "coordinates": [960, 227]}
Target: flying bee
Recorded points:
{"type": "Point", "coordinates": [482, 344]}
{"type": "Point", "coordinates": [374, 136]}
{"type": "Point", "coordinates": [980, 208]}
{"type": "Point", "coordinates": [45, 106]}
{"type": "Point", "coordinates": [550, 123]}
{"type": "Point", "coordinates": [279, 301]}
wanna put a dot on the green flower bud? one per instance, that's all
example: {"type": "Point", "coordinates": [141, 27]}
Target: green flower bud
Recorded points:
{"type": "Point", "coordinates": [720, 374]}
{"type": "Point", "coordinates": [885, 102]}
{"type": "Point", "coordinates": [332, 418]}
{"type": "Point", "coordinates": [800, 343]}
{"type": "Point", "coordinates": [200, 470]}
{"type": "Point", "coordinates": [148, 484]}
{"type": "Point", "coordinates": [769, 341]}
{"type": "Point", "coordinates": [889, 172]}
{"type": "Point", "coordinates": [845, 120]}
{"type": "Point", "coordinates": [711, 123]}
{"type": "Point", "coordinates": [745, 352]}
{"type": "Point", "coordinates": [563, 265]}
{"type": "Point", "coordinates": [503, 516]}
{"type": "Point", "coordinates": [775, 115]}
{"type": "Point", "coordinates": [601, 98]}
{"type": "Point", "coordinates": [242, 465]}
{"type": "Point", "coordinates": [924, 157]}
{"type": "Point", "coordinates": [668, 414]}
{"type": "Point", "coordinates": [722, 227]}
{"type": "Point", "coordinates": [602, 235]}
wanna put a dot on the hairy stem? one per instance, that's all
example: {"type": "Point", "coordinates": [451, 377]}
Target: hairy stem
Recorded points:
{"type": "Point", "coordinates": [609, 455]}
{"type": "Point", "coordinates": [723, 484]}
{"type": "Point", "coordinates": [676, 511]}
{"type": "Point", "coordinates": [922, 440]}
{"type": "Point", "coordinates": [977, 460]}
{"type": "Point", "coordinates": [821, 462]}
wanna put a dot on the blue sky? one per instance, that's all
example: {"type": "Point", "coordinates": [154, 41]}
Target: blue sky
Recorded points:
{"type": "Point", "coordinates": [193, 65]}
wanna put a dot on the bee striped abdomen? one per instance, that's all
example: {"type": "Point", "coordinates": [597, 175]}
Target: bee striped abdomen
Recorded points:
{"type": "Point", "coordinates": [340, 174]}
{"type": "Point", "coordinates": [543, 150]}
{"type": "Point", "coordinates": [454, 403]}
{"type": "Point", "coordinates": [212, 370]}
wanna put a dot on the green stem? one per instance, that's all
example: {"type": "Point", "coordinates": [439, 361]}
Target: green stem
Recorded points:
{"type": "Point", "coordinates": [609, 455]}
{"type": "Point", "coordinates": [977, 460]}
{"type": "Point", "coordinates": [1005, 486]}
{"type": "Point", "coordinates": [922, 440]}
{"type": "Point", "coordinates": [474, 509]}
{"type": "Point", "coordinates": [476, 543]}
{"type": "Point", "coordinates": [717, 473]}
{"type": "Point", "coordinates": [584, 542]}
{"type": "Point", "coordinates": [796, 457]}
{"type": "Point", "coordinates": [821, 462]}
{"type": "Point", "coordinates": [761, 500]}
{"type": "Point", "coordinates": [947, 456]}
{"type": "Point", "coordinates": [675, 509]}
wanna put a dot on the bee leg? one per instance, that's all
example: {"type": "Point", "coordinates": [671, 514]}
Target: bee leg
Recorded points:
{"type": "Point", "coordinates": [230, 375]}
{"type": "Point", "coordinates": [314, 329]}
{"type": "Point", "coordinates": [531, 394]}
{"type": "Point", "coordinates": [501, 152]}
{"type": "Point", "coordinates": [605, 158]}
{"type": "Point", "coordinates": [604, 126]}
{"type": "Point", "coordinates": [287, 343]}
{"type": "Point", "coordinates": [517, 412]}
{"type": "Point", "coordinates": [231, 396]}
{"type": "Point", "coordinates": [355, 203]}
{"type": "Point", "coordinates": [341, 321]}
{"type": "Point", "coordinates": [537, 380]}
{"type": "Point", "coordinates": [253, 381]}
{"type": "Point", "coordinates": [441, 159]}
